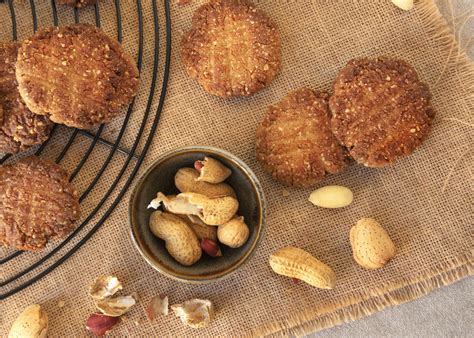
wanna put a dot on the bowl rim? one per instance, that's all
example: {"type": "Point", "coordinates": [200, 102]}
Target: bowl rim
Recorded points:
{"type": "Point", "coordinates": [209, 150]}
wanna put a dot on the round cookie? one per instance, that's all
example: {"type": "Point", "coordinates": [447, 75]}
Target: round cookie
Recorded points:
{"type": "Point", "coordinates": [19, 127]}
{"type": "Point", "coordinates": [232, 49]}
{"type": "Point", "coordinates": [381, 111]}
{"type": "Point", "coordinates": [77, 3]}
{"type": "Point", "coordinates": [76, 75]}
{"type": "Point", "coordinates": [37, 203]}
{"type": "Point", "coordinates": [294, 141]}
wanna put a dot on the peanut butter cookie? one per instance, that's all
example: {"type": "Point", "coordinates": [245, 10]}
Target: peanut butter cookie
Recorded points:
{"type": "Point", "coordinates": [19, 127]}
{"type": "Point", "coordinates": [295, 143]}
{"type": "Point", "coordinates": [37, 203]}
{"type": "Point", "coordinates": [76, 75]}
{"type": "Point", "coordinates": [381, 111]}
{"type": "Point", "coordinates": [232, 49]}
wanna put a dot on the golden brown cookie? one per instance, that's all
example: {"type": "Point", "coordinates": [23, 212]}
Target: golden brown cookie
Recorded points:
{"type": "Point", "coordinates": [294, 140]}
{"type": "Point", "coordinates": [380, 110]}
{"type": "Point", "coordinates": [37, 203]}
{"type": "Point", "coordinates": [77, 3]}
{"type": "Point", "coordinates": [19, 127]}
{"type": "Point", "coordinates": [76, 75]}
{"type": "Point", "coordinates": [232, 49]}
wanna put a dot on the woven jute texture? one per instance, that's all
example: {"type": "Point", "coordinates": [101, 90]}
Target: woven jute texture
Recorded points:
{"type": "Point", "coordinates": [425, 201]}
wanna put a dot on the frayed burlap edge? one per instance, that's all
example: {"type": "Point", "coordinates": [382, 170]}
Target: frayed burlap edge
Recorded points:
{"type": "Point", "coordinates": [365, 303]}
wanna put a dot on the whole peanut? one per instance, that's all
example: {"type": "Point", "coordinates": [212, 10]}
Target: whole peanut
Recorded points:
{"type": "Point", "coordinates": [233, 233]}
{"type": "Point", "coordinates": [31, 323]}
{"type": "Point", "coordinates": [181, 241]}
{"type": "Point", "coordinates": [371, 246]}
{"type": "Point", "coordinates": [297, 263]}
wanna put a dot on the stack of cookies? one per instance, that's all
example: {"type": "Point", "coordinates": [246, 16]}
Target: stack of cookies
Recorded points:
{"type": "Point", "coordinates": [72, 75]}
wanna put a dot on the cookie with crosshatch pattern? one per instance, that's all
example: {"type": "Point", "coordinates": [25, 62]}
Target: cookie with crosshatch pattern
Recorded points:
{"type": "Point", "coordinates": [37, 203]}
{"type": "Point", "coordinates": [294, 142]}
{"type": "Point", "coordinates": [381, 110]}
{"type": "Point", "coordinates": [76, 75]}
{"type": "Point", "coordinates": [232, 49]}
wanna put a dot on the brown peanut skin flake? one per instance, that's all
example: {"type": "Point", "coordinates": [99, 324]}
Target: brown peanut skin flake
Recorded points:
{"type": "Point", "coordinates": [232, 49]}
{"type": "Point", "coordinates": [294, 142]}
{"type": "Point", "coordinates": [381, 111]}
{"type": "Point", "coordinates": [37, 203]}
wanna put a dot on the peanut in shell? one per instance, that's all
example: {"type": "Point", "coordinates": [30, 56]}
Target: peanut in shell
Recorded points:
{"type": "Point", "coordinates": [371, 246]}
{"type": "Point", "coordinates": [297, 263]}
{"type": "Point", "coordinates": [181, 241]}
{"type": "Point", "coordinates": [212, 171]}
{"type": "Point", "coordinates": [234, 233]}
{"type": "Point", "coordinates": [187, 180]}
{"type": "Point", "coordinates": [212, 211]}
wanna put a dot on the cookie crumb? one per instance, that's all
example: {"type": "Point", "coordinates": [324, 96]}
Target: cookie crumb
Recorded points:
{"type": "Point", "coordinates": [183, 2]}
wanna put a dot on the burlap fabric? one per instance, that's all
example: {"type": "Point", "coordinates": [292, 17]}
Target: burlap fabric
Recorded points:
{"type": "Point", "coordinates": [425, 201]}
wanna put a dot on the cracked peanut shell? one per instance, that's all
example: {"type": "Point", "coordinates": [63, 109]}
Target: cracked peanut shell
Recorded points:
{"type": "Point", "coordinates": [104, 287]}
{"type": "Point", "coordinates": [196, 313]}
{"type": "Point", "coordinates": [212, 171]}
{"type": "Point", "coordinates": [212, 211]}
{"type": "Point", "coordinates": [232, 49]}
{"type": "Point", "coordinates": [186, 180]}
{"type": "Point", "coordinates": [201, 229]}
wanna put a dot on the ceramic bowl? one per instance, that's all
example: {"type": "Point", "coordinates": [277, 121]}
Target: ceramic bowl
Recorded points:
{"type": "Point", "coordinates": [160, 177]}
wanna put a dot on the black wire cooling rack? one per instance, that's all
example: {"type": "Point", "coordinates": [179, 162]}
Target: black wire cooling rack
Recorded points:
{"type": "Point", "coordinates": [37, 267]}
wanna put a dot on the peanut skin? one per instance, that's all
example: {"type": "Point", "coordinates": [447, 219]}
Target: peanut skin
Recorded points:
{"type": "Point", "coordinates": [186, 180]}
{"type": "Point", "coordinates": [234, 233]}
{"type": "Point", "coordinates": [297, 263]}
{"type": "Point", "coordinates": [181, 241]}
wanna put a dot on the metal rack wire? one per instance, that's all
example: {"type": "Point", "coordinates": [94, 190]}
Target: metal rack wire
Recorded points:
{"type": "Point", "coordinates": [132, 161]}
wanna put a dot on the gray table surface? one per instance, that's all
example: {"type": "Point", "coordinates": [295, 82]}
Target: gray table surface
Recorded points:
{"type": "Point", "coordinates": [446, 312]}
